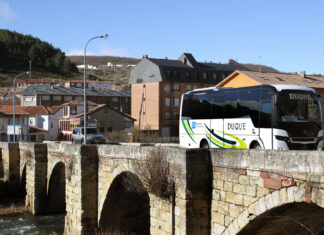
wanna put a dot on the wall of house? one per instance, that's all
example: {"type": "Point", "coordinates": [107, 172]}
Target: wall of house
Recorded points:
{"type": "Point", "coordinates": [241, 81]}
{"type": "Point", "coordinates": [28, 100]}
{"type": "Point", "coordinates": [150, 115]}
{"type": "Point", "coordinates": [118, 120]}
{"type": "Point", "coordinates": [54, 124]}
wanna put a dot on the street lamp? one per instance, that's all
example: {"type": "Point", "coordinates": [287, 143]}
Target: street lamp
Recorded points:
{"type": "Point", "coordinates": [14, 103]}
{"type": "Point", "coordinates": [84, 88]}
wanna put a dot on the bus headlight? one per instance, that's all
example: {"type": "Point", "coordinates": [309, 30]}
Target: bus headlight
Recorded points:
{"type": "Point", "coordinates": [282, 138]}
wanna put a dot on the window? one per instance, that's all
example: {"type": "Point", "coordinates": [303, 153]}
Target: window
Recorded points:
{"type": "Point", "coordinates": [79, 84]}
{"type": "Point", "coordinates": [167, 87]}
{"type": "Point", "coordinates": [167, 102]}
{"type": "Point", "coordinates": [46, 97]}
{"type": "Point", "coordinates": [168, 73]}
{"type": "Point", "coordinates": [265, 115]}
{"type": "Point", "coordinates": [231, 105]}
{"type": "Point", "coordinates": [72, 83]}
{"type": "Point", "coordinates": [73, 110]}
{"type": "Point", "coordinates": [65, 111]}
{"type": "Point", "coordinates": [249, 105]}
{"type": "Point", "coordinates": [215, 76]}
{"type": "Point", "coordinates": [187, 74]}
{"type": "Point", "coordinates": [176, 87]}
{"type": "Point", "coordinates": [106, 109]}
{"type": "Point", "coordinates": [27, 99]}
{"type": "Point", "coordinates": [102, 127]}
{"type": "Point", "coordinates": [204, 75]}
{"type": "Point", "coordinates": [57, 98]}
{"type": "Point", "coordinates": [188, 87]}
{"type": "Point", "coordinates": [167, 115]}
{"type": "Point", "coordinates": [109, 126]}
{"type": "Point", "coordinates": [217, 107]}
{"type": "Point", "coordinates": [67, 98]}
{"type": "Point", "coordinates": [31, 122]}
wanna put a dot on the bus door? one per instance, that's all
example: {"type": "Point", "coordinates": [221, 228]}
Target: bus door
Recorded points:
{"type": "Point", "coordinates": [216, 130]}
{"type": "Point", "coordinates": [266, 116]}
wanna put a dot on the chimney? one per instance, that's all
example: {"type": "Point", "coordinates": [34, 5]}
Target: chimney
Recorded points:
{"type": "Point", "coordinates": [302, 74]}
{"type": "Point", "coordinates": [145, 56]}
{"type": "Point", "coordinates": [166, 58]}
{"type": "Point", "coordinates": [51, 85]}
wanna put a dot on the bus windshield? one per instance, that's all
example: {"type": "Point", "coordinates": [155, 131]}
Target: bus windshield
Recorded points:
{"type": "Point", "coordinates": [298, 106]}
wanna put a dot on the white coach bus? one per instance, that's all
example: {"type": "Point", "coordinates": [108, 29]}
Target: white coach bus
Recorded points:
{"type": "Point", "coordinates": [256, 117]}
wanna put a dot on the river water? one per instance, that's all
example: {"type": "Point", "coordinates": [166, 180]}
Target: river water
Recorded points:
{"type": "Point", "coordinates": [28, 224]}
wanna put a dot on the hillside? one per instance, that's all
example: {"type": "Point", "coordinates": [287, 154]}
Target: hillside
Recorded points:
{"type": "Point", "coordinates": [103, 60]}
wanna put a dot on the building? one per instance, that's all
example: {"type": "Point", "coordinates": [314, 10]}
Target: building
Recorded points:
{"type": "Point", "coordinates": [24, 83]}
{"type": "Point", "coordinates": [50, 95]}
{"type": "Point", "coordinates": [99, 115]}
{"type": "Point", "coordinates": [98, 85]}
{"type": "Point", "coordinates": [157, 86]}
{"type": "Point", "coordinates": [249, 78]}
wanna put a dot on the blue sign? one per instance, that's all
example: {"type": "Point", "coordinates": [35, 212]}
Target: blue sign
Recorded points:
{"type": "Point", "coordinates": [193, 125]}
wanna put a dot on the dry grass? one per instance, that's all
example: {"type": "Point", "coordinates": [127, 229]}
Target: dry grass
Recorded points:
{"type": "Point", "coordinates": [153, 172]}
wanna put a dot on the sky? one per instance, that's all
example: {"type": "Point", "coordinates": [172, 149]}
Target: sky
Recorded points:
{"type": "Point", "coordinates": [285, 34]}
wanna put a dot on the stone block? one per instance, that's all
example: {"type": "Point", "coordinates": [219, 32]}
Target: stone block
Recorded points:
{"type": "Point", "coordinates": [244, 180]}
{"type": "Point", "coordinates": [253, 173]}
{"type": "Point", "coordinates": [276, 198]}
{"type": "Point", "coordinates": [243, 219]}
{"type": "Point", "coordinates": [218, 229]}
{"type": "Point", "coordinates": [248, 200]}
{"type": "Point", "coordinates": [257, 181]}
{"type": "Point", "coordinates": [234, 211]}
{"type": "Point", "coordinates": [238, 188]}
{"type": "Point", "coordinates": [290, 194]}
{"type": "Point", "coordinates": [221, 207]}
{"type": "Point", "coordinates": [262, 191]}
{"type": "Point", "coordinates": [234, 198]}
{"type": "Point", "coordinates": [272, 183]}
{"type": "Point", "coordinates": [228, 186]}
{"type": "Point", "coordinates": [228, 220]}
{"type": "Point", "coordinates": [218, 218]}
{"type": "Point", "coordinates": [268, 201]}
{"type": "Point", "coordinates": [218, 184]}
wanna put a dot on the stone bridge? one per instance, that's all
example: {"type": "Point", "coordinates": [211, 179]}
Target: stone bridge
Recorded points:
{"type": "Point", "coordinates": [215, 191]}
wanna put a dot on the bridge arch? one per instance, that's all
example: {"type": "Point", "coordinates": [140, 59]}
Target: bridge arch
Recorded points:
{"type": "Point", "coordinates": [56, 189]}
{"type": "Point", "coordinates": [125, 209]}
{"type": "Point", "coordinates": [275, 199]}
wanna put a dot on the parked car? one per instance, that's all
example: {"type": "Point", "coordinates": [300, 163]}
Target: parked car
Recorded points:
{"type": "Point", "coordinates": [93, 136]}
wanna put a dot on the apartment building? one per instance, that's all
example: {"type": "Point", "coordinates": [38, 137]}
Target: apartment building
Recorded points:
{"type": "Point", "coordinates": [98, 85]}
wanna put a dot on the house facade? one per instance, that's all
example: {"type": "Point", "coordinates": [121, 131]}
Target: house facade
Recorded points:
{"type": "Point", "coordinates": [157, 86]}
{"type": "Point", "coordinates": [105, 119]}
{"type": "Point", "coordinates": [98, 85]}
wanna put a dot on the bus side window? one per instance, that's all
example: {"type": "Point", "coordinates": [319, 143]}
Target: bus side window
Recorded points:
{"type": "Point", "coordinates": [231, 105]}
{"type": "Point", "coordinates": [217, 106]}
{"type": "Point", "coordinates": [265, 115]}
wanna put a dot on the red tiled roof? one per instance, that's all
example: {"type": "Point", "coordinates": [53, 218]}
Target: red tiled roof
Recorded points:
{"type": "Point", "coordinates": [23, 110]}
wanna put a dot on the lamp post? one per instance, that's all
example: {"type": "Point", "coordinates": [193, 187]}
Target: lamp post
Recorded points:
{"type": "Point", "coordinates": [14, 103]}
{"type": "Point", "coordinates": [84, 87]}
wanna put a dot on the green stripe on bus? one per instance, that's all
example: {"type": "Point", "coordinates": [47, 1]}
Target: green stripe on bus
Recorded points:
{"type": "Point", "coordinates": [184, 125]}
{"type": "Point", "coordinates": [221, 138]}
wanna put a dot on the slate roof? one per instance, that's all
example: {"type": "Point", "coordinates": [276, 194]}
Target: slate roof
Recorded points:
{"type": "Point", "coordinates": [58, 90]}
{"type": "Point", "coordinates": [313, 81]}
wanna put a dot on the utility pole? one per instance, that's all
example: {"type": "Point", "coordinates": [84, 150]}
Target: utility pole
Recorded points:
{"type": "Point", "coordinates": [140, 114]}
{"type": "Point", "coordinates": [30, 68]}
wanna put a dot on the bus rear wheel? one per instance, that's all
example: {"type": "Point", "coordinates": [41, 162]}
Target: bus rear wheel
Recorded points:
{"type": "Point", "coordinates": [204, 144]}
{"type": "Point", "coordinates": [256, 145]}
